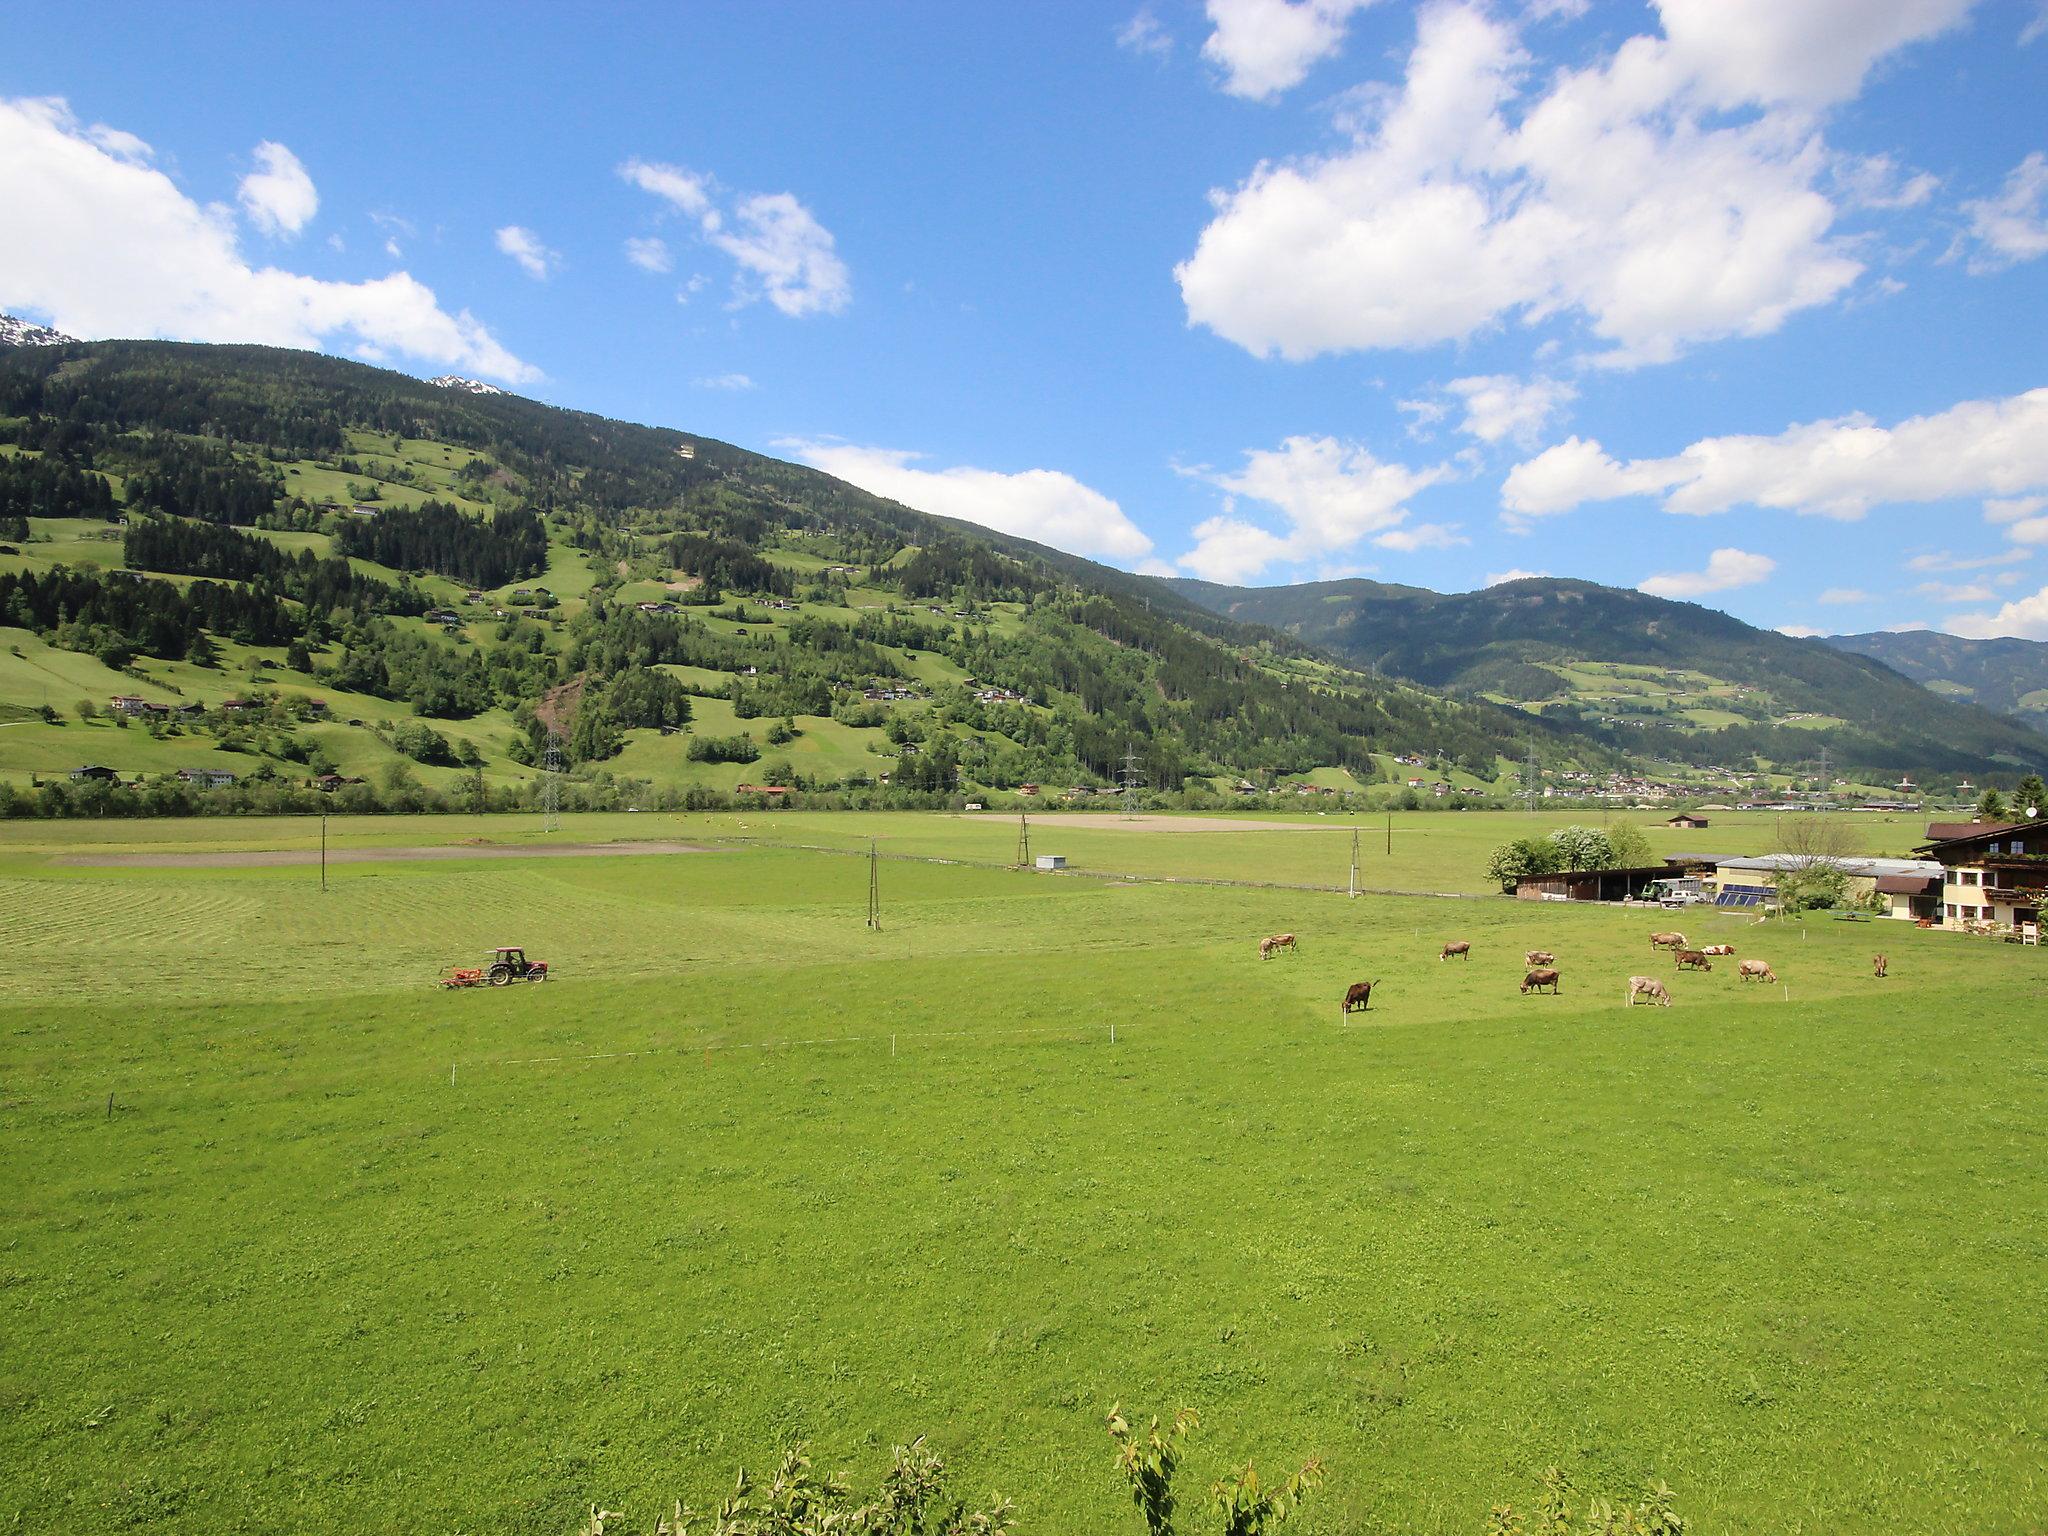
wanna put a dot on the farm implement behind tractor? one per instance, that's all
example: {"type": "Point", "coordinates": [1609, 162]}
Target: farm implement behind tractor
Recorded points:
{"type": "Point", "coordinates": [503, 968]}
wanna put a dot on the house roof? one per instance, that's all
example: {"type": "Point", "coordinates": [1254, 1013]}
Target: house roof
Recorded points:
{"type": "Point", "coordinates": [1774, 863]}
{"type": "Point", "coordinates": [1945, 832]}
{"type": "Point", "coordinates": [1907, 885]}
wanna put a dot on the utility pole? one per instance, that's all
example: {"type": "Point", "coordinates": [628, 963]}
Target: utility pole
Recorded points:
{"type": "Point", "coordinates": [1354, 863]}
{"type": "Point", "coordinates": [874, 888]}
{"type": "Point", "coordinates": [1390, 834]}
{"type": "Point", "coordinates": [323, 851]}
{"type": "Point", "coordinates": [1023, 840]}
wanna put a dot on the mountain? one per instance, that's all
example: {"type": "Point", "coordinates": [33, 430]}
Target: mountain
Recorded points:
{"type": "Point", "coordinates": [1646, 673]}
{"type": "Point", "coordinates": [16, 332]}
{"type": "Point", "coordinates": [468, 386]}
{"type": "Point", "coordinates": [2007, 675]}
{"type": "Point", "coordinates": [279, 565]}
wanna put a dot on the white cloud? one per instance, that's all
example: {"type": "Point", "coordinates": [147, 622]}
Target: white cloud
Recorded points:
{"type": "Point", "coordinates": [1957, 592]}
{"type": "Point", "coordinates": [525, 247]}
{"type": "Point", "coordinates": [2012, 508]}
{"type": "Point", "coordinates": [2037, 25]}
{"type": "Point", "coordinates": [1042, 504]}
{"type": "Point", "coordinates": [1800, 631]}
{"type": "Point", "coordinates": [1501, 405]}
{"type": "Point", "coordinates": [1726, 569]}
{"type": "Point", "coordinates": [1143, 34]}
{"type": "Point", "coordinates": [1839, 468]}
{"type": "Point", "coordinates": [1422, 536]}
{"type": "Point", "coordinates": [2026, 618]}
{"type": "Point", "coordinates": [2013, 226]}
{"type": "Point", "coordinates": [729, 381]}
{"type": "Point", "coordinates": [1333, 495]}
{"type": "Point", "coordinates": [107, 246]}
{"type": "Point", "coordinates": [1265, 47]}
{"type": "Point", "coordinates": [783, 254]}
{"type": "Point", "coordinates": [1625, 193]}
{"type": "Point", "coordinates": [1499, 578]}
{"type": "Point", "coordinates": [649, 253]}
{"type": "Point", "coordinates": [1878, 181]}
{"type": "Point", "coordinates": [278, 195]}
{"type": "Point", "coordinates": [1837, 596]}
{"type": "Point", "coordinates": [1944, 561]}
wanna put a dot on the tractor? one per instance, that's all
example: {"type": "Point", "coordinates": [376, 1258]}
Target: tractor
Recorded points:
{"type": "Point", "coordinates": [506, 965]}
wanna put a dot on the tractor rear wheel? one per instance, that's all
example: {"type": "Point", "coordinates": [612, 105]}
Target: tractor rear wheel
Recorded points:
{"type": "Point", "coordinates": [500, 975]}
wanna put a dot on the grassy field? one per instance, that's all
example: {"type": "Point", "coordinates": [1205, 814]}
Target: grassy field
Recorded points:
{"type": "Point", "coordinates": [748, 1171]}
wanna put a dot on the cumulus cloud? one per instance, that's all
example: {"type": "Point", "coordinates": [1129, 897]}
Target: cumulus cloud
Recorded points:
{"type": "Point", "coordinates": [2013, 226]}
{"type": "Point", "coordinates": [1726, 570]}
{"type": "Point", "coordinates": [106, 245]}
{"type": "Point", "coordinates": [2025, 618]}
{"type": "Point", "coordinates": [1942, 560]}
{"type": "Point", "coordinates": [1877, 181]}
{"type": "Point", "coordinates": [780, 251]}
{"type": "Point", "coordinates": [1502, 406]}
{"type": "Point", "coordinates": [650, 254]}
{"type": "Point", "coordinates": [1837, 468]}
{"type": "Point", "coordinates": [1800, 631]}
{"type": "Point", "coordinates": [1957, 592]}
{"type": "Point", "coordinates": [1627, 192]}
{"type": "Point", "coordinates": [525, 247]}
{"type": "Point", "coordinates": [1143, 34]}
{"type": "Point", "coordinates": [278, 195]}
{"type": "Point", "coordinates": [1042, 504]}
{"type": "Point", "coordinates": [726, 381]}
{"type": "Point", "coordinates": [1265, 47]}
{"type": "Point", "coordinates": [1499, 578]}
{"type": "Point", "coordinates": [1333, 495]}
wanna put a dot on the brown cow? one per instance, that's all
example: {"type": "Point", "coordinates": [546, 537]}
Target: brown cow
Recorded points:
{"type": "Point", "coordinates": [1539, 957]}
{"type": "Point", "coordinates": [1358, 996]}
{"type": "Point", "coordinates": [1877, 965]}
{"type": "Point", "coordinates": [1667, 941]}
{"type": "Point", "coordinates": [1726, 950]}
{"type": "Point", "coordinates": [1461, 947]}
{"type": "Point", "coordinates": [1649, 987]}
{"type": "Point", "coordinates": [1268, 948]}
{"type": "Point", "coordinates": [1692, 960]}
{"type": "Point", "coordinates": [1536, 981]}
{"type": "Point", "coordinates": [1756, 970]}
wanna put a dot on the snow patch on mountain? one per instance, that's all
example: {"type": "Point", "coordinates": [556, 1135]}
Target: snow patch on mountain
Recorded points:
{"type": "Point", "coordinates": [17, 332]}
{"type": "Point", "coordinates": [468, 386]}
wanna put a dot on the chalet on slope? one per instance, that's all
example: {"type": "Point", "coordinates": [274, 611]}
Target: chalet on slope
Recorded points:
{"type": "Point", "coordinates": [1991, 871]}
{"type": "Point", "coordinates": [1685, 821]}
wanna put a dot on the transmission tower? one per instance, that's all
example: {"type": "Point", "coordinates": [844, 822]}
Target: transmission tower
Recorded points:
{"type": "Point", "coordinates": [1827, 782]}
{"type": "Point", "coordinates": [1531, 774]}
{"type": "Point", "coordinates": [1023, 840]}
{"type": "Point", "coordinates": [1132, 781]}
{"type": "Point", "coordinates": [874, 887]}
{"type": "Point", "coordinates": [551, 784]}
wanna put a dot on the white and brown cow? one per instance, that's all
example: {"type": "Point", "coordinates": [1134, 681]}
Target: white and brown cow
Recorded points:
{"type": "Point", "coordinates": [1756, 970]}
{"type": "Point", "coordinates": [1648, 988]}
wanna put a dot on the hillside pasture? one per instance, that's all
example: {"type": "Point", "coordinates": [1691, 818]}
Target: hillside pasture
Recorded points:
{"type": "Point", "coordinates": [748, 1171]}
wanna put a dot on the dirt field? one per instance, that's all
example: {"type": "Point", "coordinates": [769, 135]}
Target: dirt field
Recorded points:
{"type": "Point", "coordinates": [261, 858]}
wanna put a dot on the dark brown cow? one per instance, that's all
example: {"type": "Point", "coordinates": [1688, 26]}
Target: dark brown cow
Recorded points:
{"type": "Point", "coordinates": [1692, 960]}
{"type": "Point", "coordinates": [1462, 948]}
{"type": "Point", "coordinates": [1536, 981]}
{"type": "Point", "coordinates": [1358, 996]}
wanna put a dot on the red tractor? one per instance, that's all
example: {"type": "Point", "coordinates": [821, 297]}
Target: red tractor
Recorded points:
{"type": "Point", "coordinates": [506, 965]}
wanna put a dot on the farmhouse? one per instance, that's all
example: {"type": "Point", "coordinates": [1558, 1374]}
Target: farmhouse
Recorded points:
{"type": "Point", "coordinates": [93, 772]}
{"type": "Point", "coordinates": [1685, 821]}
{"type": "Point", "coordinates": [1753, 882]}
{"type": "Point", "coordinates": [206, 778]}
{"type": "Point", "coordinates": [1993, 872]}
{"type": "Point", "coordinates": [131, 704]}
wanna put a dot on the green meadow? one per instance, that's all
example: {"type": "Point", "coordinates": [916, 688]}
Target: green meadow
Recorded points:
{"type": "Point", "coordinates": [291, 1239]}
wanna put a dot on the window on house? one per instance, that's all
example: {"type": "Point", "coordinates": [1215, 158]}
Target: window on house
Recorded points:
{"type": "Point", "coordinates": [1951, 909]}
{"type": "Point", "coordinates": [1969, 877]}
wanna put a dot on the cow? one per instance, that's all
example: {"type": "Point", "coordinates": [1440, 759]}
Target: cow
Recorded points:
{"type": "Point", "coordinates": [1358, 996]}
{"type": "Point", "coordinates": [1667, 941]}
{"type": "Point", "coordinates": [1539, 957]}
{"type": "Point", "coordinates": [1648, 987]}
{"type": "Point", "coordinates": [1692, 960]}
{"type": "Point", "coordinates": [1268, 948]}
{"type": "Point", "coordinates": [1756, 970]}
{"type": "Point", "coordinates": [1877, 965]}
{"type": "Point", "coordinates": [1462, 948]}
{"type": "Point", "coordinates": [1725, 950]}
{"type": "Point", "coordinates": [1537, 980]}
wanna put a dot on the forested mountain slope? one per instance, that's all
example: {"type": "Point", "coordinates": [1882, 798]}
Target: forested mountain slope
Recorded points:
{"type": "Point", "coordinates": [2008, 675]}
{"type": "Point", "coordinates": [1672, 677]}
{"type": "Point", "coordinates": [227, 537]}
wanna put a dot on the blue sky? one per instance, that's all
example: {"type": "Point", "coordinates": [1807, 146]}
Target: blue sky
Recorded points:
{"type": "Point", "coordinates": [1738, 300]}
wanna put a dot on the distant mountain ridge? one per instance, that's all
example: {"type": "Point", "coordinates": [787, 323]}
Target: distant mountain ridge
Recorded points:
{"type": "Point", "coordinates": [467, 386]}
{"type": "Point", "coordinates": [17, 332]}
{"type": "Point", "coordinates": [1667, 675]}
{"type": "Point", "coordinates": [2007, 675]}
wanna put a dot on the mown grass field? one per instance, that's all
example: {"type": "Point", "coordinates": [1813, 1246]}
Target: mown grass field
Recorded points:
{"type": "Point", "coordinates": [748, 1171]}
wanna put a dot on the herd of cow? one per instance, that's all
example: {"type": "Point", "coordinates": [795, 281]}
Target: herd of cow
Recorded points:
{"type": "Point", "coordinates": [1542, 971]}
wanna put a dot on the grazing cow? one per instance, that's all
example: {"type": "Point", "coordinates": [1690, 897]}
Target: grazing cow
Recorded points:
{"type": "Point", "coordinates": [1756, 970]}
{"type": "Point", "coordinates": [1667, 941]}
{"type": "Point", "coordinates": [1462, 947]}
{"type": "Point", "coordinates": [1539, 957]}
{"type": "Point", "coordinates": [1358, 996]}
{"type": "Point", "coordinates": [1692, 960]}
{"type": "Point", "coordinates": [1648, 987]}
{"type": "Point", "coordinates": [1727, 950]}
{"type": "Point", "coordinates": [1268, 948]}
{"type": "Point", "coordinates": [1877, 965]}
{"type": "Point", "coordinates": [1537, 980]}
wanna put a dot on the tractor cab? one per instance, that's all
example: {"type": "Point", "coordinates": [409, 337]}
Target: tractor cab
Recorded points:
{"type": "Point", "coordinates": [509, 963]}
